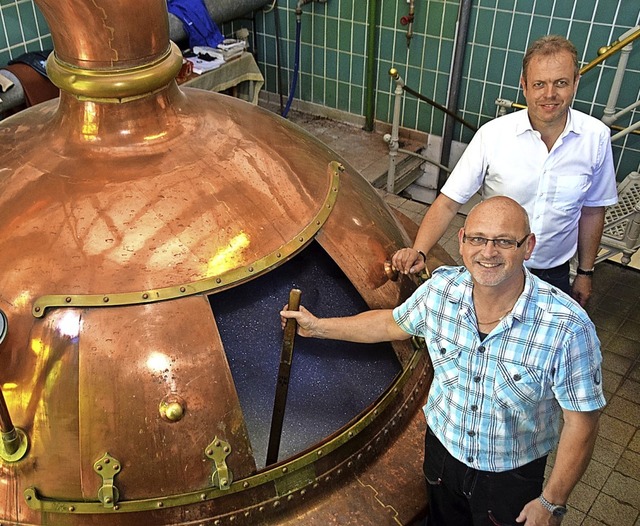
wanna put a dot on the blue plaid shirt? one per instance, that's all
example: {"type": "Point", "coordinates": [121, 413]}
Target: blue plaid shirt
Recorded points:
{"type": "Point", "coordinates": [496, 404]}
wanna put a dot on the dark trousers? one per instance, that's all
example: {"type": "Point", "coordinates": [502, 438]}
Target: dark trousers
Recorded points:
{"type": "Point", "coordinates": [462, 496]}
{"type": "Point", "coordinates": [556, 276]}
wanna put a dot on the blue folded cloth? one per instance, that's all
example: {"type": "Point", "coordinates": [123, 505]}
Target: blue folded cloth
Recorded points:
{"type": "Point", "coordinates": [200, 28]}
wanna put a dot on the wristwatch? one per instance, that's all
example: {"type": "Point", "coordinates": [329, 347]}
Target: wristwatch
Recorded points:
{"type": "Point", "coordinates": [555, 509]}
{"type": "Point", "coordinates": [583, 272]}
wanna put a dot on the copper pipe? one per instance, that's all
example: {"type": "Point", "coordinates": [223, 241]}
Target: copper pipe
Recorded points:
{"type": "Point", "coordinates": [107, 35]}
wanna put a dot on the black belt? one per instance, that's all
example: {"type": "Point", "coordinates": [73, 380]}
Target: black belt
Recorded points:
{"type": "Point", "coordinates": [562, 266]}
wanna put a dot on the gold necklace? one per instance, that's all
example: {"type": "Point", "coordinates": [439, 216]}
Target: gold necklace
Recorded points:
{"type": "Point", "coordinates": [494, 321]}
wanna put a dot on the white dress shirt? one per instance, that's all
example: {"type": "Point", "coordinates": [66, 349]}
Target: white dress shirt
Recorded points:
{"type": "Point", "coordinates": [508, 157]}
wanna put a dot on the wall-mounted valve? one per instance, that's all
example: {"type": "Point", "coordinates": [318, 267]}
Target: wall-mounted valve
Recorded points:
{"type": "Point", "coordinates": [14, 443]}
{"type": "Point", "coordinates": [407, 20]}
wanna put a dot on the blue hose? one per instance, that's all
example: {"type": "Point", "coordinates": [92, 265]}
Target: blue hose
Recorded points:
{"type": "Point", "coordinates": [296, 65]}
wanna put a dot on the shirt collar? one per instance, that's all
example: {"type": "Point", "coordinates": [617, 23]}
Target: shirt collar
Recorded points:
{"type": "Point", "coordinates": [524, 308]}
{"type": "Point", "coordinates": [524, 124]}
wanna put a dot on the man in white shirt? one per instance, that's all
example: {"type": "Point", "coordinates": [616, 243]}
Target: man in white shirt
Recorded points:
{"type": "Point", "coordinates": [555, 161]}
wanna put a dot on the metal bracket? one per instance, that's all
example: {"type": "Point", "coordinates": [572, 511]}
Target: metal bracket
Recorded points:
{"type": "Point", "coordinates": [107, 468]}
{"type": "Point", "coordinates": [218, 451]}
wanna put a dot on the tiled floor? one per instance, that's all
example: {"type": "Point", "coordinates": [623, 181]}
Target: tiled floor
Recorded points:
{"type": "Point", "coordinates": [609, 493]}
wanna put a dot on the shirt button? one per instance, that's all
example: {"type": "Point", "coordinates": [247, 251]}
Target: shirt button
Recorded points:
{"type": "Point", "coordinates": [469, 459]}
{"type": "Point", "coordinates": [517, 377]}
{"type": "Point", "coordinates": [474, 407]}
{"type": "Point", "coordinates": [477, 379]}
{"type": "Point", "coordinates": [471, 433]}
{"type": "Point", "coordinates": [481, 348]}
{"type": "Point", "coordinates": [443, 351]}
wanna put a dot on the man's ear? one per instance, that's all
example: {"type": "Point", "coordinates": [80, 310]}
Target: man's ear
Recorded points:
{"type": "Point", "coordinates": [460, 236]}
{"type": "Point", "coordinates": [531, 243]}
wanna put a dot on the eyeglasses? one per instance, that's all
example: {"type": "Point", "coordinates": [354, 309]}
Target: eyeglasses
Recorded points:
{"type": "Point", "coordinates": [501, 243]}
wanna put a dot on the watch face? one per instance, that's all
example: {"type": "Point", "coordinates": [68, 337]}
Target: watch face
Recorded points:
{"type": "Point", "coordinates": [559, 511]}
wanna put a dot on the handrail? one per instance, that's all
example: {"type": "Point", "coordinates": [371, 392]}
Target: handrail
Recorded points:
{"type": "Point", "coordinates": [606, 51]}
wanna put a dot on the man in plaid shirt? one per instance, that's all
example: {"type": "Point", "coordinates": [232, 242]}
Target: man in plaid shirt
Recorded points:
{"type": "Point", "coordinates": [512, 355]}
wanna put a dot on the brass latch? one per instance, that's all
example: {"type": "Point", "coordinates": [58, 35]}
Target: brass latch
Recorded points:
{"type": "Point", "coordinates": [218, 451]}
{"type": "Point", "coordinates": [107, 468]}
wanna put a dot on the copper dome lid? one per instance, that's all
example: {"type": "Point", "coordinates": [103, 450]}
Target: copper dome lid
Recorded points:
{"type": "Point", "coordinates": [124, 206]}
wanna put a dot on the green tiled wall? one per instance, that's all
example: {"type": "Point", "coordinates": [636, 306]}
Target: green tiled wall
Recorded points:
{"type": "Point", "coordinates": [22, 29]}
{"type": "Point", "coordinates": [333, 54]}
{"type": "Point", "coordinates": [499, 33]}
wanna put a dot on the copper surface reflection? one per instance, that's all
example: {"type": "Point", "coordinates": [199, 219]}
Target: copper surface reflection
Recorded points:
{"type": "Point", "coordinates": [130, 201]}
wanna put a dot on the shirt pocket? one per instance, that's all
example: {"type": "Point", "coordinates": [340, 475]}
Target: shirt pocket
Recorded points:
{"type": "Point", "coordinates": [445, 356]}
{"type": "Point", "coordinates": [570, 191]}
{"type": "Point", "coordinates": [517, 386]}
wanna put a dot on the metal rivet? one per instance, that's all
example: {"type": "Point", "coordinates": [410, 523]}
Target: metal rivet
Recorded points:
{"type": "Point", "coordinates": [203, 496]}
{"type": "Point", "coordinates": [278, 255]}
{"type": "Point", "coordinates": [261, 508]}
{"type": "Point", "coordinates": [209, 452]}
{"type": "Point", "coordinates": [218, 280]}
{"type": "Point", "coordinates": [276, 504]}
{"type": "Point", "coordinates": [37, 309]}
{"type": "Point", "coordinates": [67, 299]}
{"type": "Point", "coordinates": [160, 504]}
{"type": "Point", "coordinates": [303, 492]}
{"type": "Point", "coordinates": [226, 449]}
{"type": "Point", "coordinates": [72, 508]}
{"type": "Point", "coordinates": [108, 500]}
{"type": "Point", "coordinates": [145, 296]}
{"type": "Point", "coordinates": [349, 464]}
{"type": "Point", "coordinates": [250, 269]}
{"type": "Point", "coordinates": [245, 485]}
{"type": "Point", "coordinates": [319, 452]}
{"type": "Point", "coordinates": [301, 239]}
{"type": "Point", "coordinates": [106, 299]}
{"type": "Point", "coordinates": [98, 468]}
{"type": "Point", "coordinates": [182, 289]}
{"type": "Point", "coordinates": [284, 470]}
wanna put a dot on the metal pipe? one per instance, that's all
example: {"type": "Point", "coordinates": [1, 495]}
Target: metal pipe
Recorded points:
{"type": "Point", "coordinates": [610, 109]}
{"type": "Point", "coordinates": [635, 126]}
{"type": "Point", "coordinates": [441, 108]}
{"type": "Point", "coordinates": [614, 48]}
{"type": "Point", "coordinates": [13, 441]}
{"type": "Point", "coordinates": [395, 126]}
{"type": "Point", "coordinates": [370, 72]}
{"type": "Point", "coordinates": [408, 21]}
{"type": "Point", "coordinates": [456, 76]}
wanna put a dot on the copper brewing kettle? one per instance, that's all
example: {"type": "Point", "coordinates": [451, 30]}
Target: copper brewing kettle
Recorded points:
{"type": "Point", "coordinates": [124, 207]}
